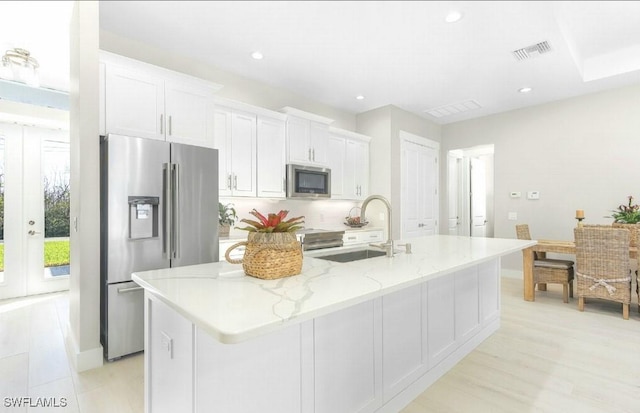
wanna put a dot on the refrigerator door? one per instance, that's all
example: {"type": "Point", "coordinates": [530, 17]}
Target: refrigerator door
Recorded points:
{"type": "Point", "coordinates": [126, 319]}
{"type": "Point", "coordinates": [194, 231]}
{"type": "Point", "coordinates": [134, 206]}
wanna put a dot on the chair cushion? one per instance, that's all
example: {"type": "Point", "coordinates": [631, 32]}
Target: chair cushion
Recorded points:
{"type": "Point", "coordinates": [551, 263]}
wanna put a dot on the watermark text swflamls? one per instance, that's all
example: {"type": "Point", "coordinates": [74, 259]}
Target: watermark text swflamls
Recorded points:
{"type": "Point", "coordinates": [26, 401]}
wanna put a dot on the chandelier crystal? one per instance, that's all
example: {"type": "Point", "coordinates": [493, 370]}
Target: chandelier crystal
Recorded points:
{"type": "Point", "coordinates": [21, 67]}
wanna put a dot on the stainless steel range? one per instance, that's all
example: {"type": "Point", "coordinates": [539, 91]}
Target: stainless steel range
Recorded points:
{"type": "Point", "coordinates": [314, 239]}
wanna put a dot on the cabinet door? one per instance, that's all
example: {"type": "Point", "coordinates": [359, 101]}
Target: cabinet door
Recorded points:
{"type": "Point", "coordinates": [404, 338]}
{"type": "Point", "coordinates": [134, 103]}
{"type": "Point", "coordinates": [441, 338]}
{"type": "Point", "coordinates": [168, 359]}
{"type": "Point", "coordinates": [467, 305]}
{"type": "Point", "coordinates": [359, 156]}
{"type": "Point", "coordinates": [189, 114]}
{"type": "Point", "coordinates": [243, 154]}
{"type": "Point", "coordinates": [345, 360]}
{"type": "Point", "coordinates": [222, 142]}
{"type": "Point", "coordinates": [271, 158]}
{"type": "Point", "coordinates": [336, 163]}
{"type": "Point", "coordinates": [318, 139]}
{"type": "Point", "coordinates": [298, 148]}
{"type": "Point", "coordinates": [489, 285]}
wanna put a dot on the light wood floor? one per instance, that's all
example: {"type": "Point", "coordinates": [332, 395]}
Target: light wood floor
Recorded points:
{"type": "Point", "coordinates": [546, 357]}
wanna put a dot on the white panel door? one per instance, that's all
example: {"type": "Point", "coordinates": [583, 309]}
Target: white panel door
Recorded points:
{"type": "Point", "coordinates": [419, 188]}
{"type": "Point", "coordinates": [478, 197]}
{"type": "Point", "coordinates": [318, 138]}
{"type": "Point", "coordinates": [454, 166]}
{"type": "Point", "coordinates": [356, 169]}
{"type": "Point", "coordinates": [298, 145]}
{"type": "Point", "coordinates": [467, 306]}
{"type": "Point", "coordinates": [441, 337]}
{"type": "Point", "coordinates": [489, 285]}
{"type": "Point", "coordinates": [243, 154]}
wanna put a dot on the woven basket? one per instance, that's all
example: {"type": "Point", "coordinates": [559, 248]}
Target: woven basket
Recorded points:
{"type": "Point", "coordinates": [269, 255]}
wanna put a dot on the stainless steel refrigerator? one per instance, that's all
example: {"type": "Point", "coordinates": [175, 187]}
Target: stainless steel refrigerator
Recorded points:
{"type": "Point", "coordinates": [158, 209]}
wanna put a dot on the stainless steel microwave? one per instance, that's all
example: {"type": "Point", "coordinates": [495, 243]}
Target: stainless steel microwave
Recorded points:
{"type": "Point", "coordinates": [308, 181]}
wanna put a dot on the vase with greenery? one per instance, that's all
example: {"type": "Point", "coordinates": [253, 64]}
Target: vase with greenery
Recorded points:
{"type": "Point", "coordinates": [226, 218]}
{"type": "Point", "coordinates": [627, 214]}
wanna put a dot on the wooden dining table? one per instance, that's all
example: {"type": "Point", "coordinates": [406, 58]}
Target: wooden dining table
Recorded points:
{"type": "Point", "coordinates": [543, 247]}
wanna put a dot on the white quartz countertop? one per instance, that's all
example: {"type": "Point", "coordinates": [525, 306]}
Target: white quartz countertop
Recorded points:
{"type": "Point", "coordinates": [233, 307]}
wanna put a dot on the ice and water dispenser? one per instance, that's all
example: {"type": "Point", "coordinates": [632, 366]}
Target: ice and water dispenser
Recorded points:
{"type": "Point", "coordinates": [143, 216]}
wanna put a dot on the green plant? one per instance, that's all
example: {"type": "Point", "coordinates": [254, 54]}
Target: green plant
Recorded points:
{"type": "Point", "coordinates": [272, 222]}
{"type": "Point", "coordinates": [226, 214]}
{"type": "Point", "coordinates": [627, 214]}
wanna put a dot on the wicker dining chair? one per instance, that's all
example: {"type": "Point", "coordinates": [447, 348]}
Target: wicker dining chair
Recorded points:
{"type": "Point", "coordinates": [602, 265]}
{"type": "Point", "coordinates": [548, 270]}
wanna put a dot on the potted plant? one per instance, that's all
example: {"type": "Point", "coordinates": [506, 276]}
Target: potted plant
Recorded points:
{"type": "Point", "coordinates": [226, 218]}
{"type": "Point", "coordinates": [272, 249]}
{"type": "Point", "coordinates": [628, 216]}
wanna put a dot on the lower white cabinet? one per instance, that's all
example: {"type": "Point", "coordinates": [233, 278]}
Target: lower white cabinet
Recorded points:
{"type": "Point", "coordinates": [346, 369]}
{"type": "Point", "coordinates": [374, 356]}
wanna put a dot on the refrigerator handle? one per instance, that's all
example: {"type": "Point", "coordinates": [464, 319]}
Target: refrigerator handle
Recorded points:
{"type": "Point", "coordinates": [175, 212]}
{"type": "Point", "coordinates": [166, 211]}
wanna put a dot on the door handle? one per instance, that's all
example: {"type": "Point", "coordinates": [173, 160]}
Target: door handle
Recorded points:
{"type": "Point", "coordinates": [175, 219]}
{"type": "Point", "coordinates": [309, 156]}
{"type": "Point", "coordinates": [229, 181]}
{"type": "Point", "coordinates": [166, 211]}
{"type": "Point", "coordinates": [161, 124]}
{"type": "Point", "coordinates": [313, 151]}
{"type": "Point", "coordinates": [128, 290]}
{"type": "Point", "coordinates": [235, 181]}
{"type": "Point", "coordinates": [170, 129]}
{"type": "Point", "coordinates": [32, 232]}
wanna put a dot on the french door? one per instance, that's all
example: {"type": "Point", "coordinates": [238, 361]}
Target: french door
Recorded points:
{"type": "Point", "coordinates": [34, 210]}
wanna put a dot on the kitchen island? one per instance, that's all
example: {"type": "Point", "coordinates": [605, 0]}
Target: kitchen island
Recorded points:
{"type": "Point", "coordinates": [367, 335]}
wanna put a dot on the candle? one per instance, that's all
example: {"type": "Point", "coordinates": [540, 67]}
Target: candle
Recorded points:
{"type": "Point", "coordinates": [579, 213]}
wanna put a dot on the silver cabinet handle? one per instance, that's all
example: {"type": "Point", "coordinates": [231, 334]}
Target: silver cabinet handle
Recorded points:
{"type": "Point", "coordinates": [313, 151]}
{"type": "Point", "coordinates": [32, 232]}
{"type": "Point", "coordinates": [309, 156]}
{"type": "Point", "coordinates": [235, 181]}
{"type": "Point", "coordinates": [229, 181]}
{"type": "Point", "coordinates": [170, 125]}
{"type": "Point", "coordinates": [129, 290]}
{"type": "Point", "coordinates": [284, 184]}
{"type": "Point", "coordinates": [161, 124]}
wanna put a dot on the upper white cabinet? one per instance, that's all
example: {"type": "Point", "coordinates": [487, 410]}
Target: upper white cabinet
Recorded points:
{"type": "Point", "coordinates": [147, 101]}
{"type": "Point", "coordinates": [235, 139]}
{"type": "Point", "coordinates": [271, 168]}
{"type": "Point", "coordinates": [307, 137]}
{"type": "Point", "coordinates": [349, 164]}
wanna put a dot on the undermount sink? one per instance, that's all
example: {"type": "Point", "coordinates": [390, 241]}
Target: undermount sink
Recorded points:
{"type": "Point", "coordinates": [353, 255]}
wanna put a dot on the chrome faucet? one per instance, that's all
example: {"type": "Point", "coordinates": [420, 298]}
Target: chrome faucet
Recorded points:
{"type": "Point", "coordinates": [387, 246]}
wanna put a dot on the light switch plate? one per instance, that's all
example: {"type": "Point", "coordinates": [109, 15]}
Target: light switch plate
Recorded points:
{"type": "Point", "coordinates": [515, 194]}
{"type": "Point", "coordinates": [533, 195]}
{"type": "Point", "coordinates": [513, 216]}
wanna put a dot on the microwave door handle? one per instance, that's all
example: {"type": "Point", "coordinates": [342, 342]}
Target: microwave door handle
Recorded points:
{"type": "Point", "coordinates": [166, 211]}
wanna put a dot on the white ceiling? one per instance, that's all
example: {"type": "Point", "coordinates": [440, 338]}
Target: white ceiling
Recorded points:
{"type": "Point", "coordinates": [391, 52]}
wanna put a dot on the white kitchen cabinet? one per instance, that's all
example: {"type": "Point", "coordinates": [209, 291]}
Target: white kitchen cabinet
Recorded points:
{"type": "Point", "coordinates": [349, 164]}
{"type": "Point", "coordinates": [147, 101]}
{"type": "Point", "coordinates": [169, 349]}
{"type": "Point", "coordinates": [345, 357]}
{"type": "Point", "coordinates": [362, 236]}
{"type": "Point", "coordinates": [235, 139]}
{"type": "Point", "coordinates": [307, 137]}
{"type": "Point", "coordinates": [441, 334]}
{"type": "Point", "coordinates": [404, 340]}
{"type": "Point", "coordinates": [271, 158]}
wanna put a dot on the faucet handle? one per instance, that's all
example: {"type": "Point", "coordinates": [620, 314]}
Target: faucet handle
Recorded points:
{"type": "Point", "coordinates": [407, 247]}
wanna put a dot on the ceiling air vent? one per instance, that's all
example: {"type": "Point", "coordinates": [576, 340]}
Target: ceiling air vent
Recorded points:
{"type": "Point", "coordinates": [531, 51]}
{"type": "Point", "coordinates": [453, 108]}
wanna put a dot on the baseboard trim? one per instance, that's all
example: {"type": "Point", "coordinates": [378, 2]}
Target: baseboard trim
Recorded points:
{"type": "Point", "coordinates": [82, 360]}
{"type": "Point", "coordinates": [511, 273]}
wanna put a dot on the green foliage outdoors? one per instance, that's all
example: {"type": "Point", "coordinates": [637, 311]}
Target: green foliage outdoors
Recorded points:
{"type": "Point", "coordinates": [55, 253]}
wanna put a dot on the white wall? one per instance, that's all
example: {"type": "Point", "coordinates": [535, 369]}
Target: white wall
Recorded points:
{"type": "Point", "coordinates": [580, 153]}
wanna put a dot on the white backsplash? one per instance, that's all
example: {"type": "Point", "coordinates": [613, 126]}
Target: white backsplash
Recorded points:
{"type": "Point", "coordinates": [321, 214]}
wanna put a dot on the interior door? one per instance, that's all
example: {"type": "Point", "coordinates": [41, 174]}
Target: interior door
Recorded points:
{"type": "Point", "coordinates": [454, 166]}
{"type": "Point", "coordinates": [478, 198]}
{"type": "Point", "coordinates": [34, 199]}
{"type": "Point", "coordinates": [419, 188]}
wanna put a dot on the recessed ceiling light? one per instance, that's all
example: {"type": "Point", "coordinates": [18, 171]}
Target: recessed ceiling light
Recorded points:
{"type": "Point", "coordinates": [257, 55]}
{"type": "Point", "coordinates": [453, 16]}
{"type": "Point", "coordinates": [360, 97]}
{"type": "Point", "coordinates": [525, 90]}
